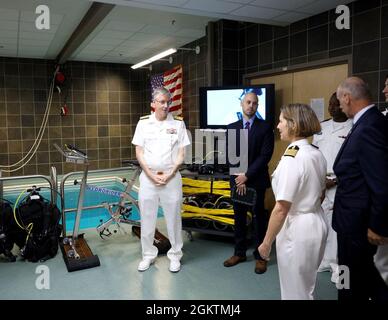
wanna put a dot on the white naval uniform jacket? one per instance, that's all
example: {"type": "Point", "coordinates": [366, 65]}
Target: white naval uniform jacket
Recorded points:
{"type": "Point", "coordinates": [329, 142]}
{"type": "Point", "coordinates": [300, 245]}
{"type": "Point", "coordinates": [160, 140]}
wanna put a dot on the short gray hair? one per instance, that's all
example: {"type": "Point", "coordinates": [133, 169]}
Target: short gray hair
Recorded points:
{"type": "Point", "coordinates": [161, 91]}
{"type": "Point", "coordinates": [357, 88]}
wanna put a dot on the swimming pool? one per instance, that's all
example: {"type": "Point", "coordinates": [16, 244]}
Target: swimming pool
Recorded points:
{"type": "Point", "coordinates": [90, 218]}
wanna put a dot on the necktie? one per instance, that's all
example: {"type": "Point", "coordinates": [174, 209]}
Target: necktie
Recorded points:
{"type": "Point", "coordinates": [247, 125]}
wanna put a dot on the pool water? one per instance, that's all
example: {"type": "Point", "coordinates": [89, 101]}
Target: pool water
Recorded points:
{"type": "Point", "coordinates": [89, 218]}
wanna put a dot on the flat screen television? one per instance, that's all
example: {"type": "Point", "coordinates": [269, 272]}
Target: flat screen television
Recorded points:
{"type": "Point", "coordinates": [220, 106]}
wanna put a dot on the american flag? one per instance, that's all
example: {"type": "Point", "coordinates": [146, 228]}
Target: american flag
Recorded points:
{"type": "Point", "coordinates": [171, 80]}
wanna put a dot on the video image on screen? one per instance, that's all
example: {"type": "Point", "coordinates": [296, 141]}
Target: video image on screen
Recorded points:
{"type": "Point", "coordinates": [220, 106]}
{"type": "Point", "coordinates": [224, 105]}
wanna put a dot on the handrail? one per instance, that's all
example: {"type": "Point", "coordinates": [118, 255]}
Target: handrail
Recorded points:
{"type": "Point", "coordinates": [97, 206]}
{"type": "Point", "coordinates": [38, 176]}
{"type": "Point", "coordinates": [62, 189]}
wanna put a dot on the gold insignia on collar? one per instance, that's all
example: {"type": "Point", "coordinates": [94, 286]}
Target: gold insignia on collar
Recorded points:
{"type": "Point", "coordinates": [178, 118]}
{"type": "Point", "coordinates": [291, 151]}
{"type": "Point", "coordinates": [145, 117]}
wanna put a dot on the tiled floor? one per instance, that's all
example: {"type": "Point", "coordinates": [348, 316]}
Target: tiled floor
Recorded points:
{"type": "Point", "coordinates": [202, 277]}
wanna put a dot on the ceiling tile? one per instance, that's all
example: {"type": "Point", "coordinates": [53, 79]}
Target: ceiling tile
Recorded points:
{"type": "Point", "coordinates": [129, 44]}
{"type": "Point", "coordinates": [192, 33]}
{"type": "Point", "coordinates": [157, 29]}
{"type": "Point", "coordinates": [321, 5]}
{"type": "Point", "coordinates": [87, 58]}
{"type": "Point", "coordinates": [30, 26]}
{"type": "Point", "coordinates": [41, 34]}
{"type": "Point", "coordinates": [8, 34]}
{"type": "Point", "coordinates": [31, 17]}
{"type": "Point", "coordinates": [34, 42]}
{"type": "Point", "coordinates": [109, 60]}
{"type": "Point", "coordinates": [11, 49]}
{"type": "Point", "coordinates": [212, 6]}
{"type": "Point", "coordinates": [8, 25]}
{"type": "Point", "coordinates": [256, 12]}
{"type": "Point", "coordinates": [134, 53]}
{"type": "Point", "coordinates": [124, 26]}
{"type": "Point", "coordinates": [123, 35]}
{"type": "Point", "coordinates": [90, 54]}
{"type": "Point", "coordinates": [182, 40]}
{"type": "Point", "coordinates": [92, 48]}
{"type": "Point", "coordinates": [35, 50]}
{"type": "Point", "coordinates": [145, 37]}
{"type": "Point", "coordinates": [105, 41]}
{"type": "Point", "coordinates": [8, 41]}
{"type": "Point", "coordinates": [8, 52]}
{"type": "Point", "coordinates": [240, 1]}
{"type": "Point", "coordinates": [172, 3]}
{"type": "Point", "coordinates": [33, 55]}
{"type": "Point", "coordinates": [291, 17]}
{"type": "Point", "coordinates": [9, 14]}
{"type": "Point", "coordinates": [281, 4]}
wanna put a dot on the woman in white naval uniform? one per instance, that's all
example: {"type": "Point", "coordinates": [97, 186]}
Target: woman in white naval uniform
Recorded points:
{"type": "Point", "coordinates": [297, 220]}
{"type": "Point", "coordinates": [160, 139]}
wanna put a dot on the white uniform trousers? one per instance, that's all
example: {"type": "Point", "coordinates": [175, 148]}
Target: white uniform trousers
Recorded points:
{"type": "Point", "coordinates": [170, 198]}
{"type": "Point", "coordinates": [300, 247]}
{"type": "Point", "coordinates": [381, 261]}
{"type": "Point", "coordinates": [329, 260]}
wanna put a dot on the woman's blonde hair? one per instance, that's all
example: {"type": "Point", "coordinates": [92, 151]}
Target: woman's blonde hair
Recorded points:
{"type": "Point", "coordinates": [301, 120]}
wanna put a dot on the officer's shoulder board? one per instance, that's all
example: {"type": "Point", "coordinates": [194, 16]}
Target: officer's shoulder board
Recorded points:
{"type": "Point", "coordinates": [178, 118]}
{"type": "Point", "coordinates": [326, 120]}
{"type": "Point", "coordinates": [145, 117]}
{"type": "Point", "coordinates": [313, 145]}
{"type": "Point", "coordinates": [291, 151]}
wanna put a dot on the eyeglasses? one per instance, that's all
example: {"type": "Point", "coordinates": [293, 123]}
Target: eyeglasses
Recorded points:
{"type": "Point", "coordinates": [162, 102]}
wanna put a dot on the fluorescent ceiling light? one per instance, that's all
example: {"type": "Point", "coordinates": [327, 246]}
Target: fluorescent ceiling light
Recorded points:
{"type": "Point", "coordinates": [154, 58]}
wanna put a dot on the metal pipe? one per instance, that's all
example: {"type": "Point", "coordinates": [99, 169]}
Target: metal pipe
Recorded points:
{"type": "Point", "coordinates": [27, 177]}
{"type": "Point", "coordinates": [54, 180]}
{"type": "Point", "coordinates": [97, 206]}
{"type": "Point", "coordinates": [80, 202]}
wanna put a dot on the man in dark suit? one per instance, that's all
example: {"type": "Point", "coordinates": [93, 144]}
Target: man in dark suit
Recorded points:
{"type": "Point", "coordinates": [360, 215]}
{"type": "Point", "coordinates": [381, 257]}
{"type": "Point", "coordinates": [260, 148]}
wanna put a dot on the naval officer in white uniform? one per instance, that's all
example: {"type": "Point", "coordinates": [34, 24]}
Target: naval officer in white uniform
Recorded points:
{"type": "Point", "coordinates": [329, 141]}
{"type": "Point", "coordinates": [297, 220]}
{"type": "Point", "coordinates": [160, 139]}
